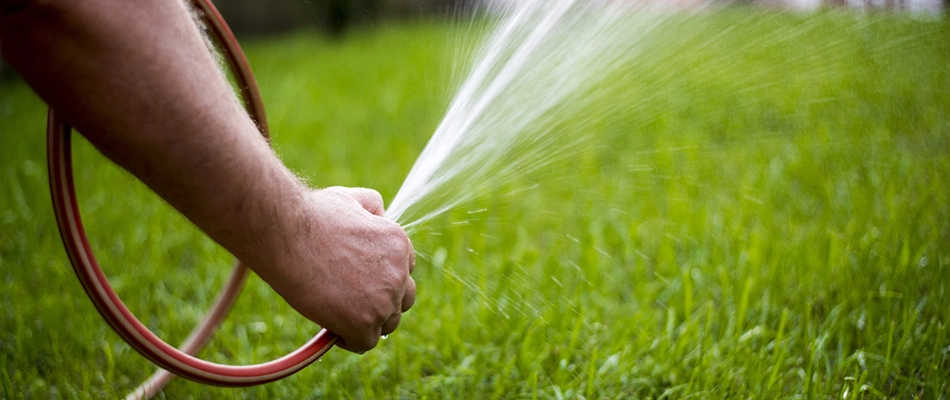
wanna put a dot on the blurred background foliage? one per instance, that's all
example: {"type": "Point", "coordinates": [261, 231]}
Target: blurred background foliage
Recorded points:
{"type": "Point", "coordinates": [333, 17]}
{"type": "Point", "coordinates": [250, 18]}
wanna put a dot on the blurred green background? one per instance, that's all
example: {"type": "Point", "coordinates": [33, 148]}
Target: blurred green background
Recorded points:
{"type": "Point", "coordinates": [774, 222]}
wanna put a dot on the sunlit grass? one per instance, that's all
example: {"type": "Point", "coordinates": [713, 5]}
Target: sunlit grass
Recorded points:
{"type": "Point", "coordinates": [773, 222]}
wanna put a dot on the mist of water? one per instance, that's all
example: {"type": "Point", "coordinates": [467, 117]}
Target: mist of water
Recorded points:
{"type": "Point", "coordinates": [532, 73]}
{"type": "Point", "coordinates": [551, 67]}
{"type": "Point", "coordinates": [548, 68]}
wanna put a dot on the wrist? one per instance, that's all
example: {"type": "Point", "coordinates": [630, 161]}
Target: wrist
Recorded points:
{"type": "Point", "coordinates": [274, 208]}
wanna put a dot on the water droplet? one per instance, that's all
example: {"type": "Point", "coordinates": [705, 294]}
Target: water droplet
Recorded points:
{"type": "Point", "coordinates": [385, 336]}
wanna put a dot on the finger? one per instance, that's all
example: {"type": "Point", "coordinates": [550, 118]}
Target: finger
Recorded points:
{"type": "Point", "coordinates": [369, 199]}
{"type": "Point", "coordinates": [390, 325]}
{"type": "Point", "coordinates": [359, 345]}
{"type": "Point", "coordinates": [409, 298]}
{"type": "Point", "coordinates": [362, 347]}
{"type": "Point", "coordinates": [342, 344]}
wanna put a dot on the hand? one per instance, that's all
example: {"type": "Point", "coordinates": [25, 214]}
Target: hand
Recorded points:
{"type": "Point", "coordinates": [345, 266]}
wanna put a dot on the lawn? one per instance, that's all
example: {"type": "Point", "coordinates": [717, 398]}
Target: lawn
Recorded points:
{"type": "Point", "coordinates": [773, 222]}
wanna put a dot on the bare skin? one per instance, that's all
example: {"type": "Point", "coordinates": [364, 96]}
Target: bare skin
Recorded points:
{"type": "Point", "coordinates": [136, 79]}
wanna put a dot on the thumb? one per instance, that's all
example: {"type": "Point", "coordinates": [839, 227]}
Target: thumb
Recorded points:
{"type": "Point", "coordinates": [369, 199]}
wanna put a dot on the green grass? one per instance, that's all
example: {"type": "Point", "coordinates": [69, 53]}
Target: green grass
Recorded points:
{"type": "Point", "coordinates": [773, 222]}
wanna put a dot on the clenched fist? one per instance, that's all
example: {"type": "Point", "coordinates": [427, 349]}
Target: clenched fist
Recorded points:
{"type": "Point", "coordinates": [347, 267]}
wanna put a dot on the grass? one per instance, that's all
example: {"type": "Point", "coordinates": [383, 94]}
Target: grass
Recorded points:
{"type": "Point", "coordinates": [773, 222]}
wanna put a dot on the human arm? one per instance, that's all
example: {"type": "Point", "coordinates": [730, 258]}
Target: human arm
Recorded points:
{"type": "Point", "coordinates": [136, 79]}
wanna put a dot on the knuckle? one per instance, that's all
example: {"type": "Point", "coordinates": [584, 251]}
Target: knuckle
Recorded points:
{"type": "Point", "coordinates": [395, 232]}
{"type": "Point", "coordinates": [409, 299]}
{"type": "Point", "coordinates": [374, 195]}
{"type": "Point", "coordinates": [370, 342]}
{"type": "Point", "coordinates": [361, 344]}
{"type": "Point", "coordinates": [400, 270]}
{"type": "Point", "coordinates": [396, 241]}
{"type": "Point", "coordinates": [369, 321]}
{"type": "Point", "coordinates": [375, 315]}
{"type": "Point", "coordinates": [391, 325]}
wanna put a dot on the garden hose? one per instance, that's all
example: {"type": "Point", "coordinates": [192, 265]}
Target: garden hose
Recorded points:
{"type": "Point", "coordinates": [181, 361]}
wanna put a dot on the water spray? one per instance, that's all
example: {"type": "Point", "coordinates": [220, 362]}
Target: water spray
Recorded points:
{"type": "Point", "coordinates": [180, 361]}
{"type": "Point", "coordinates": [537, 38]}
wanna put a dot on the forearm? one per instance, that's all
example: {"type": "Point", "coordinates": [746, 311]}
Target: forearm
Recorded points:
{"type": "Point", "coordinates": [136, 80]}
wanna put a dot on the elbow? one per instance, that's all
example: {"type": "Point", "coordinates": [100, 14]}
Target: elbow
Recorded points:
{"type": "Point", "coordinates": [21, 20]}
{"type": "Point", "coordinates": [8, 7]}
{"type": "Point", "coordinates": [19, 14]}
{"type": "Point", "coordinates": [17, 8]}
{"type": "Point", "coordinates": [26, 27]}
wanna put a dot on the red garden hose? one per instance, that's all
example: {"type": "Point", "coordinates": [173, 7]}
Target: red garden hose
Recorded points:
{"type": "Point", "coordinates": [181, 361]}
